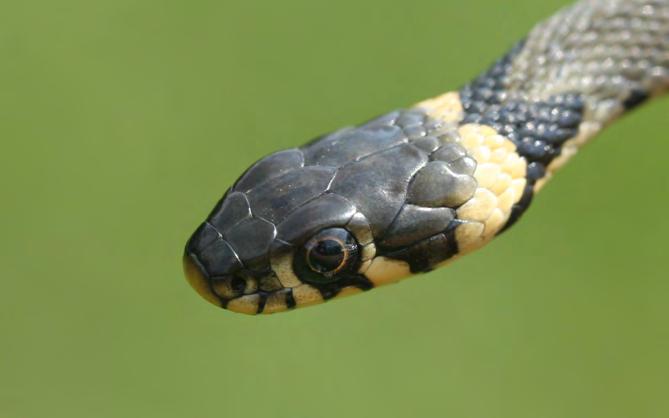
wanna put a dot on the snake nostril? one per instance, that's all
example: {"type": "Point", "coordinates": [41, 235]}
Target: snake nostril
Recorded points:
{"type": "Point", "coordinates": [231, 287]}
{"type": "Point", "coordinates": [238, 285]}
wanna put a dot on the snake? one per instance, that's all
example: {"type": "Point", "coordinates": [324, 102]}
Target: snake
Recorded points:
{"type": "Point", "coordinates": [417, 188]}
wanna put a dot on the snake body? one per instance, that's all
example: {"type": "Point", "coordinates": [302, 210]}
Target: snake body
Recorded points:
{"type": "Point", "coordinates": [415, 189]}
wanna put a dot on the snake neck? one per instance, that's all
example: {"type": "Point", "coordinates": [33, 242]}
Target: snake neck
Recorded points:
{"type": "Point", "coordinates": [573, 75]}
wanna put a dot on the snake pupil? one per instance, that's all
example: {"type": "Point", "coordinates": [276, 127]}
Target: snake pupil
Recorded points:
{"type": "Point", "coordinates": [327, 256]}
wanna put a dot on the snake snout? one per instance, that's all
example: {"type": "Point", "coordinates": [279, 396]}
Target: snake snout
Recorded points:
{"type": "Point", "coordinates": [231, 268]}
{"type": "Point", "coordinates": [208, 258]}
{"type": "Point", "coordinates": [197, 278]}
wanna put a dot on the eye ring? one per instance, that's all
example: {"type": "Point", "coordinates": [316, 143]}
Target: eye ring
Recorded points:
{"type": "Point", "coordinates": [330, 252]}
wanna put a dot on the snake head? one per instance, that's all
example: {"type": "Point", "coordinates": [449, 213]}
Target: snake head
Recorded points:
{"type": "Point", "coordinates": [345, 213]}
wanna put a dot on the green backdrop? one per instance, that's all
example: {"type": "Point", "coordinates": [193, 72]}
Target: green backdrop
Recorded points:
{"type": "Point", "coordinates": [123, 121]}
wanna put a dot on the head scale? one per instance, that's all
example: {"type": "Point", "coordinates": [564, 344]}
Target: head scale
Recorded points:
{"type": "Point", "coordinates": [347, 212]}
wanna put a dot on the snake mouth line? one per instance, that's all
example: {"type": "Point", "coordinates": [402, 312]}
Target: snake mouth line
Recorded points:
{"type": "Point", "coordinates": [267, 302]}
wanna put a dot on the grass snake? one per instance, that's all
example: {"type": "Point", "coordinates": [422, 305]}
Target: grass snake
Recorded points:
{"type": "Point", "coordinates": [417, 188]}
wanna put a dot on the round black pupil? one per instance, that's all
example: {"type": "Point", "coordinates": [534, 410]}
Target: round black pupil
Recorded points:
{"type": "Point", "coordinates": [328, 255]}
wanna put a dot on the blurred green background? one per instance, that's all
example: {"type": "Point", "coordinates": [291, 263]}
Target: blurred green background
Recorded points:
{"type": "Point", "coordinates": [123, 121]}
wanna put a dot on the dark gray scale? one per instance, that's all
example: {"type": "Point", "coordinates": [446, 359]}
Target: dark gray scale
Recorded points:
{"type": "Point", "coordinates": [203, 236]}
{"type": "Point", "coordinates": [415, 123]}
{"type": "Point", "coordinates": [540, 129]}
{"type": "Point", "coordinates": [254, 252]}
{"type": "Point", "coordinates": [275, 199]}
{"type": "Point", "coordinates": [428, 144]}
{"type": "Point", "coordinates": [446, 181]}
{"type": "Point", "coordinates": [463, 165]}
{"type": "Point", "coordinates": [302, 224]}
{"type": "Point", "coordinates": [378, 184]}
{"type": "Point", "coordinates": [425, 255]}
{"type": "Point", "coordinates": [636, 98]}
{"type": "Point", "coordinates": [416, 223]}
{"type": "Point", "coordinates": [449, 153]}
{"type": "Point", "coordinates": [219, 259]}
{"type": "Point", "coordinates": [437, 185]}
{"type": "Point", "coordinates": [212, 253]}
{"type": "Point", "coordinates": [489, 88]}
{"type": "Point", "coordinates": [233, 209]}
{"type": "Point", "coordinates": [270, 167]}
{"type": "Point", "coordinates": [388, 119]}
{"type": "Point", "coordinates": [345, 147]}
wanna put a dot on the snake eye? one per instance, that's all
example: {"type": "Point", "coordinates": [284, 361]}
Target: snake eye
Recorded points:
{"type": "Point", "coordinates": [331, 251]}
